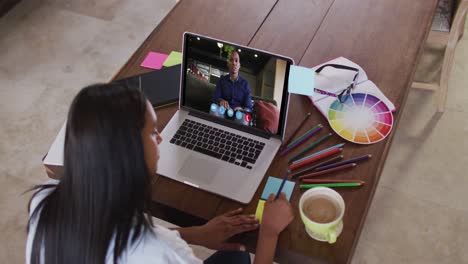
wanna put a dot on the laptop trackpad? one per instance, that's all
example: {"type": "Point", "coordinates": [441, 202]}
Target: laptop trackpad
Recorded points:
{"type": "Point", "coordinates": [199, 170]}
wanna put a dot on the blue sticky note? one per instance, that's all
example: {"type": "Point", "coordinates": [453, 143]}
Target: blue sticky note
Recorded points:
{"type": "Point", "coordinates": [301, 80]}
{"type": "Point", "coordinates": [272, 186]}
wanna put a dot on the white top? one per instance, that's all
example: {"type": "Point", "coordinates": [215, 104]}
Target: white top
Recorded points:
{"type": "Point", "coordinates": [165, 246]}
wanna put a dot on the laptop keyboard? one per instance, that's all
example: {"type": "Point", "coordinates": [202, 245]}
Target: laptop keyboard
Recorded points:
{"type": "Point", "coordinates": [218, 143]}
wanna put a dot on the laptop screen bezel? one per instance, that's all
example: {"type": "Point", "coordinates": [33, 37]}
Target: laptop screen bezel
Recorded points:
{"type": "Point", "coordinates": [252, 130]}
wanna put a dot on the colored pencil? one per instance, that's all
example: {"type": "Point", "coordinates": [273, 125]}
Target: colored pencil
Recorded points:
{"type": "Point", "coordinates": [285, 177]}
{"type": "Point", "coordinates": [303, 135]}
{"type": "Point", "coordinates": [329, 181]}
{"type": "Point", "coordinates": [297, 130]}
{"type": "Point", "coordinates": [319, 152]}
{"type": "Point", "coordinates": [326, 162]}
{"type": "Point", "coordinates": [310, 175]}
{"type": "Point", "coordinates": [342, 184]}
{"type": "Point", "coordinates": [313, 145]}
{"type": "Point", "coordinates": [302, 140]}
{"type": "Point", "coordinates": [344, 162]}
{"type": "Point", "coordinates": [315, 158]}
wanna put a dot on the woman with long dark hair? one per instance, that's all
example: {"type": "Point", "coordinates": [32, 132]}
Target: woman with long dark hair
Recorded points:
{"type": "Point", "coordinates": [97, 212]}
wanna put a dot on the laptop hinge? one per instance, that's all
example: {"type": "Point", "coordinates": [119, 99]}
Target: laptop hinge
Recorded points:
{"type": "Point", "coordinates": [228, 123]}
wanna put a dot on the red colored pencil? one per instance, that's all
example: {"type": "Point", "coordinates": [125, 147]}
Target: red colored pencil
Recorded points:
{"type": "Point", "coordinates": [329, 181]}
{"type": "Point", "coordinates": [347, 166]}
{"type": "Point", "coordinates": [323, 163]}
{"type": "Point", "coordinates": [315, 158]}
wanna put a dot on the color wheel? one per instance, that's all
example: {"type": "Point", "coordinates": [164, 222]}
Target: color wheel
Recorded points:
{"type": "Point", "coordinates": [362, 118]}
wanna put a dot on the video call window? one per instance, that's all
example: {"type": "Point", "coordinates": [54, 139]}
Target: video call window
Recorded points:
{"type": "Point", "coordinates": [233, 83]}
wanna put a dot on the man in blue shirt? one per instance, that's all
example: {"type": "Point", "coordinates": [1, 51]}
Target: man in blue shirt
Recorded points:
{"type": "Point", "coordinates": [233, 91]}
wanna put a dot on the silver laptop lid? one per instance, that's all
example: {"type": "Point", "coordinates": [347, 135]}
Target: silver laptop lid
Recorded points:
{"type": "Point", "coordinates": [235, 85]}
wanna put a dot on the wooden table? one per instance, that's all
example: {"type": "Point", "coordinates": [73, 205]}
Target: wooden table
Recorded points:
{"type": "Point", "coordinates": [385, 37]}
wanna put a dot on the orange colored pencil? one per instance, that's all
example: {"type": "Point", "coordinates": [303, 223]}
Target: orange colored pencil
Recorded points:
{"type": "Point", "coordinates": [315, 158]}
{"type": "Point", "coordinates": [318, 173]}
{"type": "Point", "coordinates": [330, 181]}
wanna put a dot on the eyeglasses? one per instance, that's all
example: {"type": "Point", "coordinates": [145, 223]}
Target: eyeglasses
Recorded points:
{"type": "Point", "coordinates": [345, 93]}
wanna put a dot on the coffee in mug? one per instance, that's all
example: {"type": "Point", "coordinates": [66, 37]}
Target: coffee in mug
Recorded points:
{"type": "Point", "coordinates": [322, 211]}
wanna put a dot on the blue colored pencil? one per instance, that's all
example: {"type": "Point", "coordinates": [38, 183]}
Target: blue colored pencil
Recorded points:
{"type": "Point", "coordinates": [344, 162]}
{"type": "Point", "coordinates": [318, 153]}
{"type": "Point", "coordinates": [285, 177]}
{"type": "Point", "coordinates": [302, 140]}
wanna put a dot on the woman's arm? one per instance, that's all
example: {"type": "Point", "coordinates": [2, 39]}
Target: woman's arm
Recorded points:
{"type": "Point", "coordinates": [214, 233]}
{"type": "Point", "coordinates": [190, 234]}
{"type": "Point", "coordinates": [266, 247]}
{"type": "Point", "coordinates": [276, 217]}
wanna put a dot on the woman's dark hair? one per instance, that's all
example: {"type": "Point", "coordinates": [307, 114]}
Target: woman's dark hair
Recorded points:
{"type": "Point", "coordinates": [103, 192]}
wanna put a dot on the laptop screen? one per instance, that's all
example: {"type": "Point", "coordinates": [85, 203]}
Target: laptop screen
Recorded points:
{"type": "Point", "coordinates": [234, 83]}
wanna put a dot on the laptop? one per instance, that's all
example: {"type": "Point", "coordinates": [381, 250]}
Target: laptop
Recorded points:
{"type": "Point", "coordinates": [231, 119]}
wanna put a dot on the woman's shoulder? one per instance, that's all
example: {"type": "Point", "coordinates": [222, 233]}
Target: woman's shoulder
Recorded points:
{"type": "Point", "coordinates": [160, 246]}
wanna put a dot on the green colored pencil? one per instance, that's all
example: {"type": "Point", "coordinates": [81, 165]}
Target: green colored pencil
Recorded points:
{"type": "Point", "coordinates": [305, 134]}
{"type": "Point", "coordinates": [342, 184]}
{"type": "Point", "coordinates": [313, 145]}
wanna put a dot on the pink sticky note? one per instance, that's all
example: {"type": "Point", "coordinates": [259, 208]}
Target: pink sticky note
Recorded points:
{"type": "Point", "coordinates": [154, 60]}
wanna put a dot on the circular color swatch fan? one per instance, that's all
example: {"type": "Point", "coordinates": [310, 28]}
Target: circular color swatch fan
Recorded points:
{"type": "Point", "coordinates": [362, 118]}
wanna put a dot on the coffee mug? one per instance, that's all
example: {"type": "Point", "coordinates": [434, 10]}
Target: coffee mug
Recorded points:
{"type": "Point", "coordinates": [322, 211]}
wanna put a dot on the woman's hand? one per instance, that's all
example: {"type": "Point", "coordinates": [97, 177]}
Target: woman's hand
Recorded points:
{"type": "Point", "coordinates": [219, 229]}
{"type": "Point", "coordinates": [277, 215]}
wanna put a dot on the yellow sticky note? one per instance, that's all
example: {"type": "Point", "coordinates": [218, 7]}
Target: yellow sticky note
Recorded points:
{"type": "Point", "coordinates": [259, 212]}
{"type": "Point", "coordinates": [174, 58]}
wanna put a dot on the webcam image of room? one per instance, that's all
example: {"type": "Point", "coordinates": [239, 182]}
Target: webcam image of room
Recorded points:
{"type": "Point", "coordinates": [234, 83]}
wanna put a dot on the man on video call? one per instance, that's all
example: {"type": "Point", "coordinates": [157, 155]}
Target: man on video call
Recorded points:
{"type": "Point", "coordinates": [233, 91]}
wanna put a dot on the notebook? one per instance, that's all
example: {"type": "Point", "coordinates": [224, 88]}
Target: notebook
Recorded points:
{"type": "Point", "coordinates": [161, 87]}
{"type": "Point", "coordinates": [365, 116]}
{"type": "Point", "coordinates": [334, 80]}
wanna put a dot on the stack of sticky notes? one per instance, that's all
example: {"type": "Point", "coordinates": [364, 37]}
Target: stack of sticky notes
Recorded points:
{"type": "Point", "coordinates": [272, 186]}
{"type": "Point", "coordinates": [156, 60]}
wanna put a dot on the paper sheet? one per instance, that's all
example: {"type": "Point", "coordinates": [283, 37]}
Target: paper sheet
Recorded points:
{"type": "Point", "coordinates": [154, 60]}
{"type": "Point", "coordinates": [55, 154]}
{"type": "Point", "coordinates": [335, 80]}
{"type": "Point", "coordinates": [301, 80]}
{"type": "Point", "coordinates": [259, 211]}
{"type": "Point", "coordinates": [272, 186]}
{"type": "Point", "coordinates": [174, 58]}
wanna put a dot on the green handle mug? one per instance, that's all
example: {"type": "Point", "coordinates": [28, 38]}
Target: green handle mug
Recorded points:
{"type": "Point", "coordinates": [323, 219]}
